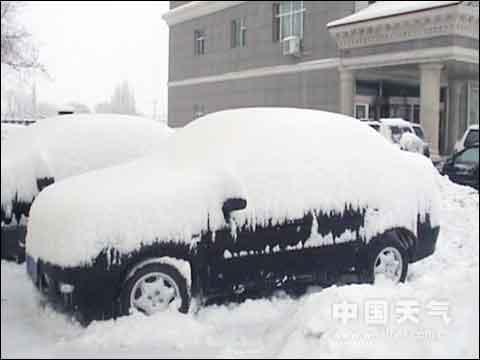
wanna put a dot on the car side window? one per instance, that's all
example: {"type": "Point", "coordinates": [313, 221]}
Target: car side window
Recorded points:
{"type": "Point", "coordinates": [419, 132]}
{"type": "Point", "coordinates": [469, 156]}
{"type": "Point", "coordinates": [472, 138]}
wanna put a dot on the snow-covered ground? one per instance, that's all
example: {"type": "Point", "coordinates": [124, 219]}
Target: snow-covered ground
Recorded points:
{"type": "Point", "coordinates": [434, 314]}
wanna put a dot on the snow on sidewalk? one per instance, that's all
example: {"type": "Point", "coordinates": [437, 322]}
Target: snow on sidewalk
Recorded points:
{"type": "Point", "coordinates": [443, 288]}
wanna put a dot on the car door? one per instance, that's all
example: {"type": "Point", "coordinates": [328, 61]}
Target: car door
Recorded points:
{"type": "Point", "coordinates": [463, 169]}
{"type": "Point", "coordinates": [243, 256]}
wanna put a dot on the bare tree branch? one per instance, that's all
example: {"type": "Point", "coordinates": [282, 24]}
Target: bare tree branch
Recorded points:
{"type": "Point", "coordinates": [17, 49]}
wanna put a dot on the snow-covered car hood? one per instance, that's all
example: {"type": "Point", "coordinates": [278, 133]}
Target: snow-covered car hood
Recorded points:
{"type": "Point", "coordinates": [68, 145]}
{"type": "Point", "coordinates": [284, 162]}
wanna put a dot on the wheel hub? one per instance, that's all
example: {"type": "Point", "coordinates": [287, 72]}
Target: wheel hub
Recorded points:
{"type": "Point", "coordinates": [389, 265]}
{"type": "Point", "coordinates": [154, 292]}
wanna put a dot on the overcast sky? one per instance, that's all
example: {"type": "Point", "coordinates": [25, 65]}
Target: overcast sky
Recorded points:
{"type": "Point", "coordinates": [89, 47]}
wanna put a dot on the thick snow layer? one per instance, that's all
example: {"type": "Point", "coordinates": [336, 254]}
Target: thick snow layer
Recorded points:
{"type": "Point", "coordinates": [395, 122]}
{"type": "Point", "coordinates": [68, 145]}
{"type": "Point", "coordinates": [284, 162]}
{"type": "Point", "coordinates": [279, 327]}
{"type": "Point", "coordinates": [411, 142]}
{"type": "Point", "coordinates": [389, 8]}
{"type": "Point", "coordinates": [9, 130]}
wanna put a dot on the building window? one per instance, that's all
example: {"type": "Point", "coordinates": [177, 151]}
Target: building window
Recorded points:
{"type": "Point", "coordinates": [198, 111]}
{"type": "Point", "coordinates": [199, 42]}
{"type": "Point", "coordinates": [416, 114]}
{"type": "Point", "coordinates": [361, 111]}
{"type": "Point", "coordinates": [238, 33]}
{"type": "Point", "coordinates": [288, 19]}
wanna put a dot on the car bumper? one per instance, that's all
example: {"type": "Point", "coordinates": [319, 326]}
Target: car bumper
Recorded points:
{"type": "Point", "coordinates": [80, 292]}
{"type": "Point", "coordinates": [426, 243]}
{"type": "Point", "coordinates": [13, 242]}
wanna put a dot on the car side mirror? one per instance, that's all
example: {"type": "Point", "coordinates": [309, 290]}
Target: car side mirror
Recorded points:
{"type": "Point", "coordinates": [232, 204]}
{"type": "Point", "coordinates": [449, 163]}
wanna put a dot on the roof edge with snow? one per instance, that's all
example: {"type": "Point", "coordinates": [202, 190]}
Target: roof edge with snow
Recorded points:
{"type": "Point", "coordinates": [372, 13]}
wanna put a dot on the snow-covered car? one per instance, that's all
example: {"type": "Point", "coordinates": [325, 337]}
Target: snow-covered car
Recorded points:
{"type": "Point", "coordinates": [9, 130]}
{"type": "Point", "coordinates": [57, 148]}
{"type": "Point", "coordinates": [469, 139]}
{"type": "Point", "coordinates": [418, 130]}
{"type": "Point", "coordinates": [394, 129]}
{"type": "Point", "coordinates": [420, 133]}
{"type": "Point", "coordinates": [237, 201]}
{"type": "Point", "coordinates": [462, 167]}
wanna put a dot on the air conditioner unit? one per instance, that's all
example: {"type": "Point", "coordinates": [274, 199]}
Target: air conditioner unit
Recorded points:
{"type": "Point", "coordinates": [291, 46]}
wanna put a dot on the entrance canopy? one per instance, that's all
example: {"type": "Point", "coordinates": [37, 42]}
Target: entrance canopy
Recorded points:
{"type": "Point", "coordinates": [400, 32]}
{"type": "Point", "coordinates": [434, 43]}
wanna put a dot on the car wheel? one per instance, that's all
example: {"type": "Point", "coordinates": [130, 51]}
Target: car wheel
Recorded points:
{"type": "Point", "coordinates": [155, 288]}
{"type": "Point", "coordinates": [387, 259]}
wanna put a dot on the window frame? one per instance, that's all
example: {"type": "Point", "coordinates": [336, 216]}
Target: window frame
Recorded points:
{"type": "Point", "coordinates": [291, 13]}
{"type": "Point", "coordinates": [366, 108]}
{"type": "Point", "coordinates": [459, 157]}
{"type": "Point", "coordinates": [238, 33]}
{"type": "Point", "coordinates": [199, 39]}
{"type": "Point", "coordinates": [243, 32]}
{"type": "Point", "coordinates": [468, 141]}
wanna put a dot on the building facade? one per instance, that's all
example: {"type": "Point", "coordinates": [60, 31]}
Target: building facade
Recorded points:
{"type": "Point", "coordinates": [416, 60]}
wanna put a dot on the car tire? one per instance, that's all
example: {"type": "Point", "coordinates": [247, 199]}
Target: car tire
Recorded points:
{"type": "Point", "coordinates": [148, 275]}
{"type": "Point", "coordinates": [390, 247]}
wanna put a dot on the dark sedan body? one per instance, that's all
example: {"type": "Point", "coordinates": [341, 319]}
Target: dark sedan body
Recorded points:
{"type": "Point", "coordinates": [254, 262]}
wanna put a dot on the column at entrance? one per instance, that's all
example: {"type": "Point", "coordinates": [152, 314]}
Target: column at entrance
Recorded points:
{"type": "Point", "coordinates": [454, 113]}
{"type": "Point", "coordinates": [430, 76]}
{"type": "Point", "coordinates": [347, 91]}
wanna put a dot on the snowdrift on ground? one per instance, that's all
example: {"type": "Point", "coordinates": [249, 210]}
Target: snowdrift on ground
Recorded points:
{"type": "Point", "coordinates": [279, 327]}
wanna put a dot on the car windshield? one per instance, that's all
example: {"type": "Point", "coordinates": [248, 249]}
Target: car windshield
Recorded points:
{"type": "Point", "coordinates": [469, 156]}
{"type": "Point", "coordinates": [419, 132]}
{"type": "Point", "coordinates": [398, 131]}
{"type": "Point", "coordinates": [472, 138]}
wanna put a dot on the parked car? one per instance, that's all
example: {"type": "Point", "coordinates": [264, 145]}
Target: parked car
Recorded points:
{"type": "Point", "coordinates": [393, 130]}
{"type": "Point", "coordinates": [462, 167]}
{"type": "Point", "coordinates": [57, 148]}
{"type": "Point", "coordinates": [9, 129]}
{"type": "Point", "coordinates": [469, 139]}
{"type": "Point", "coordinates": [418, 130]}
{"type": "Point", "coordinates": [239, 201]}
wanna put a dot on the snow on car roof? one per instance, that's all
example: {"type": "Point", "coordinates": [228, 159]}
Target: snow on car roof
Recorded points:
{"type": "Point", "coordinates": [395, 122]}
{"type": "Point", "coordinates": [382, 9]}
{"type": "Point", "coordinates": [8, 130]}
{"type": "Point", "coordinates": [473, 127]}
{"type": "Point", "coordinates": [68, 145]}
{"type": "Point", "coordinates": [284, 162]}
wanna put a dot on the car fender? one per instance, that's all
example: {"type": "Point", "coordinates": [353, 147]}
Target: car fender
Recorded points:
{"type": "Point", "coordinates": [183, 266]}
